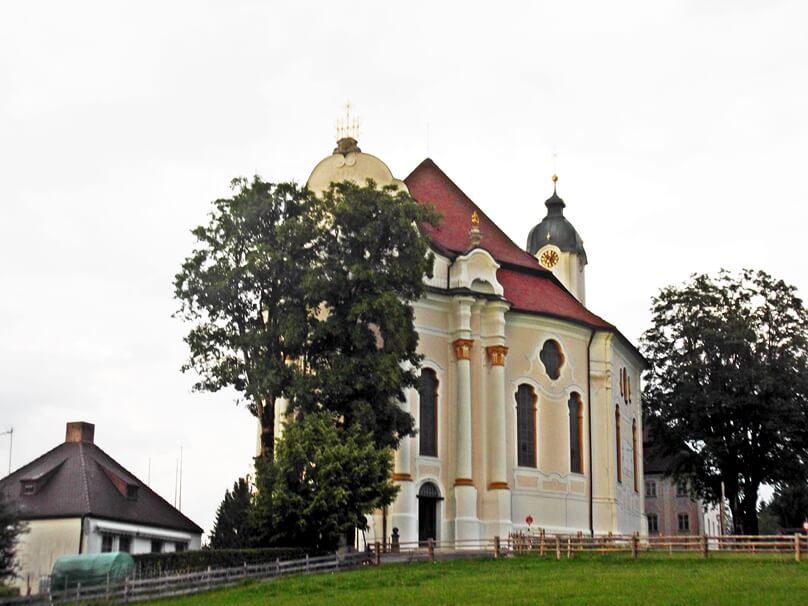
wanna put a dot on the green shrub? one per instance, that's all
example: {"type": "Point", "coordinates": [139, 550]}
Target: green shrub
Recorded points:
{"type": "Point", "coordinates": [152, 564]}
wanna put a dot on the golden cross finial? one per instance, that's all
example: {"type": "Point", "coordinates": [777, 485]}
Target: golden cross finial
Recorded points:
{"type": "Point", "coordinates": [555, 169]}
{"type": "Point", "coordinates": [349, 128]}
{"type": "Point", "coordinates": [475, 218]}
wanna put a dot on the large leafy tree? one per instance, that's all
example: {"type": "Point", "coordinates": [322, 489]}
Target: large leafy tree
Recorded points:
{"type": "Point", "coordinates": [325, 478]}
{"type": "Point", "coordinates": [10, 530]}
{"type": "Point", "coordinates": [246, 290]}
{"type": "Point", "coordinates": [334, 276]}
{"type": "Point", "coordinates": [789, 504]}
{"type": "Point", "coordinates": [362, 353]}
{"type": "Point", "coordinates": [727, 389]}
{"type": "Point", "coordinates": [232, 527]}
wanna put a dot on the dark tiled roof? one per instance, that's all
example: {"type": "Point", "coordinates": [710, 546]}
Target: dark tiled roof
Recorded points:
{"type": "Point", "coordinates": [528, 286]}
{"type": "Point", "coordinates": [78, 478]}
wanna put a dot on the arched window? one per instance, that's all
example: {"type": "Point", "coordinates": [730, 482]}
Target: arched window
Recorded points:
{"type": "Point", "coordinates": [526, 426]}
{"type": "Point", "coordinates": [617, 443]}
{"type": "Point", "coordinates": [428, 413]}
{"type": "Point", "coordinates": [576, 433]}
{"type": "Point", "coordinates": [552, 357]}
{"type": "Point", "coordinates": [635, 454]}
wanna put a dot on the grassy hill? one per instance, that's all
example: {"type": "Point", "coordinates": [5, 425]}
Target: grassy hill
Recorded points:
{"type": "Point", "coordinates": [612, 580]}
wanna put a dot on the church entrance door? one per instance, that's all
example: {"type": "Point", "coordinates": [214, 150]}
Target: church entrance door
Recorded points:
{"type": "Point", "coordinates": [428, 498]}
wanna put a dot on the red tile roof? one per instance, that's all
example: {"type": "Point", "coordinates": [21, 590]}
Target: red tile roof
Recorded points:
{"type": "Point", "coordinates": [528, 286]}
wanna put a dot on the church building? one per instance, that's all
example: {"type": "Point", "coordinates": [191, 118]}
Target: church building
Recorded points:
{"type": "Point", "coordinates": [528, 408]}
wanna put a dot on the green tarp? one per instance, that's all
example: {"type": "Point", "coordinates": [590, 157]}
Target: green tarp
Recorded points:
{"type": "Point", "coordinates": [91, 569]}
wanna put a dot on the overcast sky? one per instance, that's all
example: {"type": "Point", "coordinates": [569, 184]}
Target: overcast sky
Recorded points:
{"type": "Point", "coordinates": [680, 129]}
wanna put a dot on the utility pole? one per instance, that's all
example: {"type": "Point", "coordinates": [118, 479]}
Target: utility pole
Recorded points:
{"type": "Point", "coordinates": [10, 434]}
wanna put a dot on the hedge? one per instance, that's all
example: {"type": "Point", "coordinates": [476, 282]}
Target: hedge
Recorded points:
{"type": "Point", "coordinates": [155, 564]}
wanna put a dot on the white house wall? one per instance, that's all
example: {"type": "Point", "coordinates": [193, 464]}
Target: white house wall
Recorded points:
{"type": "Point", "coordinates": [38, 549]}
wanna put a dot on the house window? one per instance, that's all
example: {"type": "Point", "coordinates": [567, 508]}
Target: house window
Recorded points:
{"type": "Point", "coordinates": [125, 544]}
{"type": "Point", "coordinates": [653, 523]}
{"type": "Point", "coordinates": [636, 465]}
{"type": "Point", "coordinates": [684, 522]}
{"type": "Point", "coordinates": [526, 426]}
{"type": "Point", "coordinates": [180, 546]}
{"type": "Point", "coordinates": [428, 412]}
{"type": "Point", "coordinates": [28, 487]}
{"type": "Point", "coordinates": [552, 358]}
{"type": "Point", "coordinates": [106, 543]}
{"type": "Point", "coordinates": [131, 492]}
{"type": "Point", "coordinates": [576, 433]}
{"type": "Point", "coordinates": [617, 443]}
{"type": "Point", "coordinates": [156, 546]}
{"type": "Point", "coordinates": [650, 488]}
{"type": "Point", "coordinates": [681, 490]}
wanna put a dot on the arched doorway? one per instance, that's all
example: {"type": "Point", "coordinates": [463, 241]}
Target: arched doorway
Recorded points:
{"type": "Point", "coordinates": [428, 498]}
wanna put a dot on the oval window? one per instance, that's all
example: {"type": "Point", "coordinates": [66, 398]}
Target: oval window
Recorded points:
{"type": "Point", "coordinates": [552, 358]}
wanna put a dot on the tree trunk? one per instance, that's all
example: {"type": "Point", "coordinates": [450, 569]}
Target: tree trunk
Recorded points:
{"type": "Point", "coordinates": [267, 421]}
{"type": "Point", "coordinates": [749, 509]}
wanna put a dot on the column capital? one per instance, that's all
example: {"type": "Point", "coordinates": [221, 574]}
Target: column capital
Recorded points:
{"type": "Point", "coordinates": [496, 354]}
{"type": "Point", "coordinates": [462, 348]}
{"type": "Point", "coordinates": [464, 482]}
{"type": "Point", "coordinates": [402, 477]}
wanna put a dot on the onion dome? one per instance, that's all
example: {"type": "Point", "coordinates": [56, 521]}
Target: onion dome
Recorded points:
{"type": "Point", "coordinates": [555, 229]}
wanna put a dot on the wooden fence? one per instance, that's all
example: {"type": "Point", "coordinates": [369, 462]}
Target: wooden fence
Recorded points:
{"type": "Point", "coordinates": [138, 590]}
{"type": "Point", "coordinates": [705, 545]}
{"type": "Point", "coordinates": [537, 543]}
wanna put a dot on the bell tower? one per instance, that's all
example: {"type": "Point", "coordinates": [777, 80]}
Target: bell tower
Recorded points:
{"type": "Point", "coordinates": [559, 248]}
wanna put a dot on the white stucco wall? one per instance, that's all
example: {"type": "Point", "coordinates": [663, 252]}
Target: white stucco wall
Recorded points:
{"type": "Point", "coordinates": [38, 549]}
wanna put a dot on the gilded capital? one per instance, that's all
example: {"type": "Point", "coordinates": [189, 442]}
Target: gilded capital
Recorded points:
{"type": "Point", "coordinates": [462, 348]}
{"type": "Point", "coordinates": [497, 353]}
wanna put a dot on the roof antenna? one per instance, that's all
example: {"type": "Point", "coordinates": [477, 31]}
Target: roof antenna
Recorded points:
{"type": "Point", "coordinates": [10, 434]}
{"type": "Point", "coordinates": [176, 478]}
{"type": "Point", "coordinates": [180, 499]}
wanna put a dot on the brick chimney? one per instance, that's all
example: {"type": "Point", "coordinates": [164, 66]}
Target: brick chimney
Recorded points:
{"type": "Point", "coordinates": [79, 431]}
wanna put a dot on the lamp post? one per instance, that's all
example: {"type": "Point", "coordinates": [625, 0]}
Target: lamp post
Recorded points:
{"type": "Point", "coordinates": [10, 434]}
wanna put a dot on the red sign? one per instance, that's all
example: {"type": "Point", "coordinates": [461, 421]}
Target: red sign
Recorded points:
{"type": "Point", "coordinates": [529, 521]}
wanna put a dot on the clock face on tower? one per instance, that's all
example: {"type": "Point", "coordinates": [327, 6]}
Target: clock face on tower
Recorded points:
{"type": "Point", "coordinates": [549, 258]}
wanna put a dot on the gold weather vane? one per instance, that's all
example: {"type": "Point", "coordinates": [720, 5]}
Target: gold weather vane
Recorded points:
{"type": "Point", "coordinates": [348, 128]}
{"type": "Point", "coordinates": [475, 218]}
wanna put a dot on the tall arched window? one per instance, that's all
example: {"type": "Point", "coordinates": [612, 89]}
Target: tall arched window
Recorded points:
{"type": "Point", "coordinates": [576, 433]}
{"type": "Point", "coordinates": [526, 426]}
{"type": "Point", "coordinates": [617, 443]}
{"type": "Point", "coordinates": [428, 413]}
{"type": "Point", "coordinates": [634, 453]}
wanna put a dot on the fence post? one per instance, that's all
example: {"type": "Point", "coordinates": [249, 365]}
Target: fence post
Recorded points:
{"type": "Point", "coordinates": [430, 546]}
{"type": "Point", "coordinates": [705, 545]}
{"type": "Point", "coordinates": [307, 561]}
{"type": "Point", "coordinates": [797, 554]}
{"type": "Point", "coordinates": [634, 545]}
{"type": "Point", "coordinates": [377, 553]}
{"type": "Point", "coordinates": [497, 548]}
{"type": "Point", "coordinates": [541, 544]}
{"type": "Point", "coordinates": [558, 547]}
{"type": "Point", "coordinates": [78, 593]}
{"type": "Point", "coordinates": [106, 593]}
{"type": "Point", "coordinates": [126, 590]}
{"type": "Point", "coordinates": [207, 580]}
{"type": "Point", "coordinates": [569, 548]}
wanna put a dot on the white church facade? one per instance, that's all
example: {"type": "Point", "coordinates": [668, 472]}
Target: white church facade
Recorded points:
{"type": "Point", "coordinates": [528, 404]}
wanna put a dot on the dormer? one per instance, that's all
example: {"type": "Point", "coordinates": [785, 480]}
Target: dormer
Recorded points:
{"type": "Point", "coordinates": [476, 270]}
{"type": "Point", "coordinates": [34, 484]}
{"type": "Point", "coordinates": [127, 488]}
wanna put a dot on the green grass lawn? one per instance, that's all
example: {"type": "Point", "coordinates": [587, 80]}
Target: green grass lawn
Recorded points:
{"type": "Point", "coordinates": [650, 580]}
